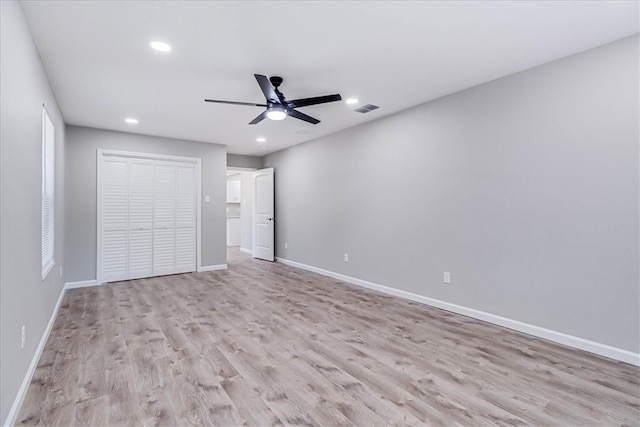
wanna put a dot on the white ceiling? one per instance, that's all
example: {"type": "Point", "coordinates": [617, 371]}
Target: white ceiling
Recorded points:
{"type": "Point", "coordinates": [393, 54]}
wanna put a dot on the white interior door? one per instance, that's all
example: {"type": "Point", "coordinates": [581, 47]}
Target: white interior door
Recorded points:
{"type": "Point", "coordinates": [263, 219]}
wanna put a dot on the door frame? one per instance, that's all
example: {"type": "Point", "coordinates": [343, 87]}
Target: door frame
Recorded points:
{"type": "Point", "coordinates": [244, 211]}
{"type": "Point", "coordinates": [100, 156]}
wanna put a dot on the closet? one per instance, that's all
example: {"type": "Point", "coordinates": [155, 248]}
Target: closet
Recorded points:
{"type": "Point", "coordinates": [147, 216]}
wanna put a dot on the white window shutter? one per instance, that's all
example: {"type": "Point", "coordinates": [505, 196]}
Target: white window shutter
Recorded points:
{"type": "Point", "coordinates": [48, 199]}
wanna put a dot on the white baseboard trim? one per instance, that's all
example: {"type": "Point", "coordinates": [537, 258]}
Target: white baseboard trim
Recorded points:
{"type": "Point", "coordinates": [81, 284]}
{"type": "Point", "coordinates": [214, 267]}
{"type": "Point", "coordinates": [249, 251]}
{"type": "Point", "coordinates": [22, 392]}
{"type": "Point", "coordinates": [548, 334]}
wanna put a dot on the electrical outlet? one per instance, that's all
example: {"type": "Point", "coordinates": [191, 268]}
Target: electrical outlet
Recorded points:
{"type": "Point", "coordinates": [24, 336]}
{"type": "Point", "coordinates": [346, 257]}
{"type": "Point", "coordinates": [285, 245]}
{"type": "Point", "coordinates": [447, 277]}
{"type": "Point", "coordinates": [207, 199]}
{"type": "Point", "coordinates": [61, 271]}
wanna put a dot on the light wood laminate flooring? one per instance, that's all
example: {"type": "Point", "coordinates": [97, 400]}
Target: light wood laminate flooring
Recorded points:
{"type": "Point", "coordinates": [267, 344]}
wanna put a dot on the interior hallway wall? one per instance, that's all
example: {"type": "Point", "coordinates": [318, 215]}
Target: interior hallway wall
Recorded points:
{"type": "Point", "coordinates": [241, 161]}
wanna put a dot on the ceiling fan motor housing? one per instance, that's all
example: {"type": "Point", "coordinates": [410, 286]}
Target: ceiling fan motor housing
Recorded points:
{"type": "Point", "coordinates": [275, 81]}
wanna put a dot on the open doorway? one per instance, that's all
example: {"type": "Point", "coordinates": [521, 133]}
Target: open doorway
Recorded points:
{"type": "Point", "coordinates": [240, 208]}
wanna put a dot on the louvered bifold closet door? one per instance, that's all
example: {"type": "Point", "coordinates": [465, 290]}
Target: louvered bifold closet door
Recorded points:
{"type": "Point", "coordinates": [164, 219]}
{"type": "Point", "coordinates": [148, 217]}
{"type": "Point", "coordinates": [115, 211]}
{"type": "Point", "coordinates": [140, 218]}
{"type": "Point", "coordinates": [186, 219]}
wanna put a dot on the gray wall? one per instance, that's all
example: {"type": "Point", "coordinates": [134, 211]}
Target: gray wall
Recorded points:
{"type": "Point", "coordinates": [25, 299]}
{"type": "Point", "coordinates": [240, 161]}
{"type": "Point", "coordinates": [524, 188]}
{"type": "Point", "coordinates": [82, 144]}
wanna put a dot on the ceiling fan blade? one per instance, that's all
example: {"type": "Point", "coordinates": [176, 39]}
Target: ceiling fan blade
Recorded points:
{"type": "Point", "coordinates": [302, 116]}
{"type": "Point", "coordinates": [268, 90]}
{"type": "Point", "coordinates": [251, 104]}
{"type": "Point", "coordinates": [260, 118]}
{"type": "Point", "coordinates": [313, 101]}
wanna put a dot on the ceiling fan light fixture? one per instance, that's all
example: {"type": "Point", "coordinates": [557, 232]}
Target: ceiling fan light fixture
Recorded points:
{"type": "Point", "coordinates": [276, 113]}
{"type": "Point", "coordinates": [351, 101]}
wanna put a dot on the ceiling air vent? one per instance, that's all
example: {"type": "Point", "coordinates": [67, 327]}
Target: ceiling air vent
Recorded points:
{"type": "Point", "coordinates": [366, 108]}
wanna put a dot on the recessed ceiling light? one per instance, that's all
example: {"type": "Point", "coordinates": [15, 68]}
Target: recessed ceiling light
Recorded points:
{"type": "Point", "coordinates": [131, 120]}
{"type": "Point", "coordinates": [160, 46]}
{"type": "Point", "coordinates": [351, 101]}
{"type": "Point", "coordinates": [261, 139]}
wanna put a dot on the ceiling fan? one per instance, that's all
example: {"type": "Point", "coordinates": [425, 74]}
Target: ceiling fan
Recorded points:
{"type": "Point", "coordinates": [278, 107]}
